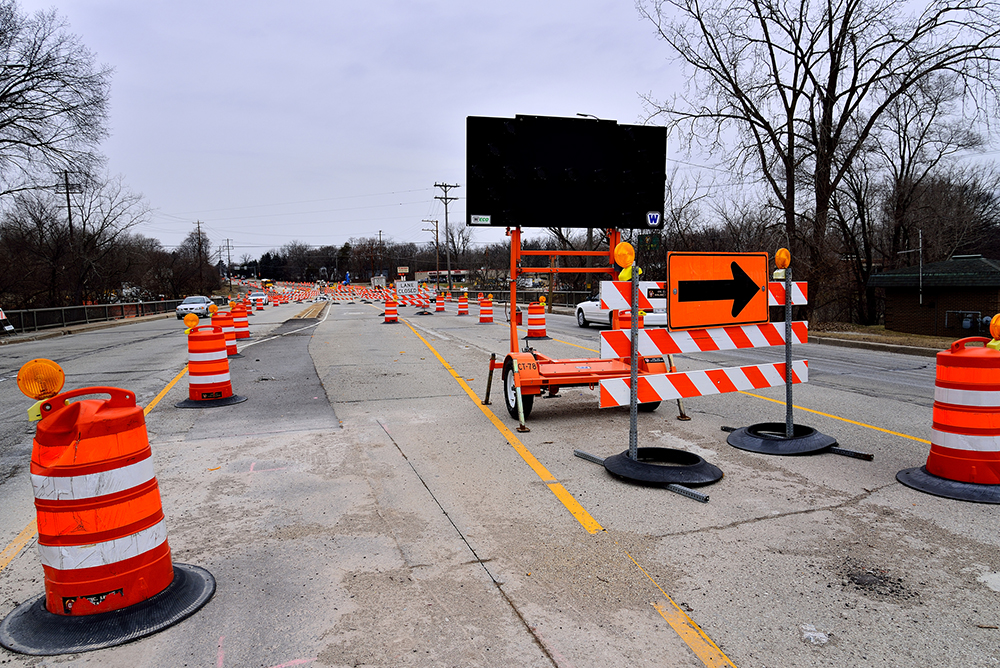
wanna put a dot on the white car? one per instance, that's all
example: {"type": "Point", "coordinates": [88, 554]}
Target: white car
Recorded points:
{"type": "Point", "coordinates": [590, 313]}
{"type": "Point", "coordinates": [260, 296]}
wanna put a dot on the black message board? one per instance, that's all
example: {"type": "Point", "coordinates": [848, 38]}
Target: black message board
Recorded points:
{"type": "Point", "coordinates": [545, 171]}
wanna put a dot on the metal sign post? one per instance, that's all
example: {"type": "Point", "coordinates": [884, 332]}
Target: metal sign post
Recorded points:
{"type": "Point", "coordinates": [633, 432]}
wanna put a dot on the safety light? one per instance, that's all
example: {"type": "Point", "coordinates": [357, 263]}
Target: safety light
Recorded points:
{"type": "Point", "coordinates": [782, 258]}
{"type": "Point", "coordinates": [191, 320]}
{"type": "Point", "coordinates": [40, 379]}
{"type": "Point", "coordinates": [995, 327]}
{"type": "Point", "coordinates": [624, 255]}
{"type": "Point", "coordinates": [212, 308]}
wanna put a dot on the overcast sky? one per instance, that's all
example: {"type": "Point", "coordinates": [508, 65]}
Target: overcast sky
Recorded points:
{"type": "Point", "coordinates": [321, 121]}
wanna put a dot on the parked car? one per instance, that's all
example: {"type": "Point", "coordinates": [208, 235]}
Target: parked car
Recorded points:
{"type": "Point", "coordinates": [590, 312]}
{"type": "Point", "coordinates": [262, 296]}
{"type": "Point", "coordinates": [194, 304]}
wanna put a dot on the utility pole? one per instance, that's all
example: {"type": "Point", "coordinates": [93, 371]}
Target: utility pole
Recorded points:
{"type": "Point", "coordinates": [447, 239]}
{"type": "Point", "coordinates": [201, 262]}
{"type": "Point", "coordinates": [229, 263]}
{"type": "Point", "coordinates": [78, 272]}
{"type": "Point", "coordinates": [437, 253]}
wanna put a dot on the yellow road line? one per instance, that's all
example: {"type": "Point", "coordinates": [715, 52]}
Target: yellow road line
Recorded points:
{"type": "Point", "coordinates": [702, 646]}
{"type": "Point", "coordinates": [164, 391]}
{"type": "Point", "coordinates": [572, 505]}
{"type": "Point", "coordinates": [842, 419]}
{"type": "Point", "coordinates": [28, 533]}
{"type": "Point", "coordinates": [26, 536]}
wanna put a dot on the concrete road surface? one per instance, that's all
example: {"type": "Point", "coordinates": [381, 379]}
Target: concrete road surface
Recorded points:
{"type": "Point", "coordinates": [363, 508]}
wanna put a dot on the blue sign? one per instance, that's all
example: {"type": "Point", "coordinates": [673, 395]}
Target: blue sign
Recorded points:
{"type": "Point", "coordinates": [653, 218]}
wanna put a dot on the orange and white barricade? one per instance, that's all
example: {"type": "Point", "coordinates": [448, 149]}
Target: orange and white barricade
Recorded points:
{"type": "Point", "coordinates": [391, 312]}
{"type": "Point", "coordinates": [485, 311]}
{"type": "Point", "coordinates": [224, 319]}
{"type": "Point", "coordinates": [463, 304]}
{"type": "Point", "coordinates": [964, 459]}
{"type": "Point", "coordinates": [209, 382]}
{"type": "Point", "coordinates": [439, 303]}
{"type": "Point", "coordinates": [536, 321]}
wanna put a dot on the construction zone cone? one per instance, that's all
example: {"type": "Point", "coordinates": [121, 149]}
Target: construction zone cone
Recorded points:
{"type": "Point", "coordinates": [486, 311]}
{"type": "Point", "coordinates": [102, 535]}
{"type": "Point", "coordinates": [964, 461]}
{"type": "Point", "coordinates": [209, 384]}
{"type": "Point", "coordinates": [240, 321]}
{"type": "Point", "coordinates": [391, 312]}
{"type": "Point", "coordinates": [439, 303]}
{"type": "Point", "coordinates": [224, 319]}
{"type": "Point", "coordinates": [463, 304]}
{"type": "Point", "coordinates": [536, 321]}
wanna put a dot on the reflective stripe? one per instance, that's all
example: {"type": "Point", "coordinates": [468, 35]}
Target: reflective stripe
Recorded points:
{"type": "Point", "coordinates": [195, 379]}
{"type": "Point", "coordinates": [88, 486]}
{"type": "Point", "coordinates": [207, 357]}
{"type": "Point", "coordinates": [72, 557]}
{"type": "Point", "coordinates": [965, 441]}
{"type": "Point", "coordinates": [948, 395]}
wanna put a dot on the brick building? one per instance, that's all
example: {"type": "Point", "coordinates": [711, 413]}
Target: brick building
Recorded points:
{"type": "Point", "coordinates": [958, 295]}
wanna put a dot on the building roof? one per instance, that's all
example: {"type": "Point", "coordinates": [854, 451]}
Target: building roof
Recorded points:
{"type": "Point", "coordinates": [961, 271]}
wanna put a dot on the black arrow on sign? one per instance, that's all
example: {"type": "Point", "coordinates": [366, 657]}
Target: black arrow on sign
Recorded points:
{"type": "Point", "coordinates": [740, 288]}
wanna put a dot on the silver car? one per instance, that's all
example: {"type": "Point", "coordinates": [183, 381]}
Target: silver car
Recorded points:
{"type": "Point", "coordinates": [194, 304]}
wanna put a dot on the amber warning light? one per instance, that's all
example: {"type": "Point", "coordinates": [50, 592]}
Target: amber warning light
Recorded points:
{"type": "Point", "coordinates": [40, 379]}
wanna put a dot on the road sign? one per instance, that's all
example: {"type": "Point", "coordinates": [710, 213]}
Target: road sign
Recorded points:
{"type": "Point", "coordinates": [407, 288]}
{"type": "Point", "coordinates": [716, 289]}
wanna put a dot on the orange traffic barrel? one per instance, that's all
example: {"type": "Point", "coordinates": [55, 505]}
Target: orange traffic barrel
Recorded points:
{"type": "Point", "coordinates": [485, 311]}
{"type": "Point", "coordinates": [260, 304]}
{"type": "Point", "coordinates": [536, 321]}
{"type": "Point", "coordinates": [439, 303]}
{"type": "Point", "coordinates": [463, 304]}
{"type": "Point", "coordinates": [209, 383]}
{"type": "Point", "coordinates": [964, 461]}
{"type": "Point", "coordinates": [224, 319]}
{"type": "Point", "coordinates": [240, 321]}
{"type": "Point", "coordinates": [102, 536]}
{"type": "Point", "coordinates": [391, 312]}
{"type": "Point", "coordinates": [623, 319]}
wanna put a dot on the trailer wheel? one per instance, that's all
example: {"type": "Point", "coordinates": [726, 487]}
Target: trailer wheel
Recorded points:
{"type": "Point", "coordinates": [510, 393]}
{"type": "Point", "coordinates": [649, 407]}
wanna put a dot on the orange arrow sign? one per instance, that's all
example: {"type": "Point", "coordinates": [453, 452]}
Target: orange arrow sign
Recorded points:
{"type": "Point", "coordinates": [716, 289]}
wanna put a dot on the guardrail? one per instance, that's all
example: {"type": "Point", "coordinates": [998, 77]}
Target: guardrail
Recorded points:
{"type": "Point", "coordinates": [34, 320]}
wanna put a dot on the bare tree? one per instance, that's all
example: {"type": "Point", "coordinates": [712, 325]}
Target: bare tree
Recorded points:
{"type": "Point", "coordinates": [53, 98]}
{"type": "Point", "coordinates": [804, 84]}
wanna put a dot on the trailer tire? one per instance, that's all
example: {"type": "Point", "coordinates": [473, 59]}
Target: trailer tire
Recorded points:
{"type": "Point", "coordinates": [510, 394]}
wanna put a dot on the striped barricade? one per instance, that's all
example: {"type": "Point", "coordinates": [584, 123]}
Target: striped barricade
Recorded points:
{"type": "Point", "coordinates": [652, 294]}
{"type": "Point", "coordinates": [683, 385]}
{"type": "Point", "coordinates": [659, 341]}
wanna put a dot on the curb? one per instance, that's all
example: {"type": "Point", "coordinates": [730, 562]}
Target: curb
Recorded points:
{"type": "Point", "coordinates": [77, 329]}
{"type": "Point", "coordinates": [870, 345]}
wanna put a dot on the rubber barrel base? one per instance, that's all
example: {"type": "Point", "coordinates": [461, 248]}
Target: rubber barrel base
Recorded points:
{"type": "Point", "coordinates": [211, 403]}
{"type": "Point", "coordinates": [663, 466]}
{"type": "Point", "coordinates": [768, 438]}
{"type": "Point", "coordinates": [31, 629]}
{"type": "Point", "coordinates": [919, 479]}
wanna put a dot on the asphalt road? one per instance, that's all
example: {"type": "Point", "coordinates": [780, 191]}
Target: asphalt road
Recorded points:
{"type": "Point", "coordinates": [362, 508]}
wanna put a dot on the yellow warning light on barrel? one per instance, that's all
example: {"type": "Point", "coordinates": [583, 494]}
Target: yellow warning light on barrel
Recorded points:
{"type": "Point", "coordinates": [624, 254]}
{"type": "Point", "coordinates": [213, 308]}
{"type": "Point", "coordinates": [41, 379]}
{"type": "Point", "coordinates": [191, 320]}
{"type": "Point", "coordinates": [995, 327]}
{"type": "Point", "coordinates": [782, 258]}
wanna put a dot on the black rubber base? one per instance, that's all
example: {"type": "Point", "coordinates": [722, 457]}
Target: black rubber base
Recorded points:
{"type": "Point", "coordinates": [211, 403]}
{"type": "Point", "coordinates": [920, 480]}
{"type": "Point", "coordinates": [236, 356]}
{"type": "Point", "coordinates": [768, 438]}
{"type": "Point", "coordinates": [31, 629]}
{"type": "Point", "coordinates": [536, 338]}
{"type": "Point", "coordinates": [663, 466]}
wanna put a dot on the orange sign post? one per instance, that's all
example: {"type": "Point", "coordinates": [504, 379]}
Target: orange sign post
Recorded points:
{"type": "Point", "coordinates": [716, 289]}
